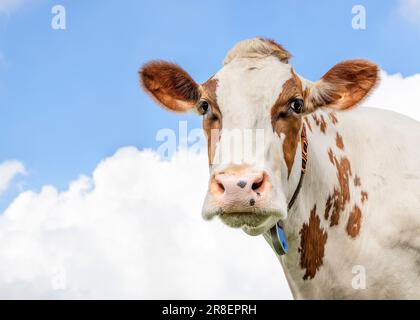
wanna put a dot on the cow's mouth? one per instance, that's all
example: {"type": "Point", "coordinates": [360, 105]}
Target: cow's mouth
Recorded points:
{"type": "Point", "coordinates": [253, 223]}
{"type": "Point", "coordinates": [239, 219]}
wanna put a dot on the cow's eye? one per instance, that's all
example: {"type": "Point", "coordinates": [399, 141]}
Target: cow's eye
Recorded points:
{"type": "Point", "coordinates": [203, 107]}
{"type": "Point", "coordinates": [297, 105]}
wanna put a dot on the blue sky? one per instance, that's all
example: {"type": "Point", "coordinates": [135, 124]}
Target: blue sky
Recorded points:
{"type": "Point", "coordinates": [69, 98]}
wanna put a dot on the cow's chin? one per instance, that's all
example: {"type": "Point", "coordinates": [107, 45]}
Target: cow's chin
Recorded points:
{"type": "Point", "coordinates": [251, 222]}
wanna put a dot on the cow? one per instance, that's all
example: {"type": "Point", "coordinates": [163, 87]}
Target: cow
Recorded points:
{"type": "Point", "coordinates": [335, 189]}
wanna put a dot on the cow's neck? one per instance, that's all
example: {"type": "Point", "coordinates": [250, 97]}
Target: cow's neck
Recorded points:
{"type": "Point", "coordinates": [323, 203]}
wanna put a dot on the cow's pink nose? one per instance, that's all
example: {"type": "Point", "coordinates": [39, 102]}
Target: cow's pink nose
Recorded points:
{"type": "Point", "coordinates": [239, 190]}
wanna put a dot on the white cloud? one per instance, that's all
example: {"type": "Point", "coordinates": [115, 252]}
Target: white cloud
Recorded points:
{"type": "Point", "coordinates": [133, 230]}
{"type": "Point", "coordinates": [410, 10]}
{"type": "Point", "coordinates": [8, 170]}
{"type": "Point", "coordinates": [398, 94]}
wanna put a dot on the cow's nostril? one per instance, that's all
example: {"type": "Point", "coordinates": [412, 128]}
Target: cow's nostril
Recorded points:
{"type": "Point", "coordinates": [221, 187]}
{"type": "Point", "coordinates": [257, 185]}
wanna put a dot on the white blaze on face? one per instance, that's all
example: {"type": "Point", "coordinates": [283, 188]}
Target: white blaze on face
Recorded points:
{"type": "Point", "coordinates": [247, 89]}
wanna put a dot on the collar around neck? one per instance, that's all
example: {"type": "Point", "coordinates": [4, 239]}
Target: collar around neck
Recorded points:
{"type": "Point", "coordinates": [277, 235]}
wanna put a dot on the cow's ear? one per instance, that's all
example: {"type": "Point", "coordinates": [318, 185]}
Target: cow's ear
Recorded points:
{"type": "Point", "coordinates": [169, 85]}
{"type": "Point", "coordinates": [344, 86]}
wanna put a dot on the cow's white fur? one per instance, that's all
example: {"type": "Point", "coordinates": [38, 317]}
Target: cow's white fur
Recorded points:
{"type": "Point", "coordinates": [382, 149]}
{"type": "Point", "coordinates": [381, 146]}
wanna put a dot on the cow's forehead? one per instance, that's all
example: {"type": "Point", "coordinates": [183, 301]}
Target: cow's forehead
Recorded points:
{"type": "Point", "coordinates": [247, 88]}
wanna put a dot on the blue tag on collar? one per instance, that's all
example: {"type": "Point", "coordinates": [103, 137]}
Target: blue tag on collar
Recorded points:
{"type": "Point", "coordinates": [278, 238]}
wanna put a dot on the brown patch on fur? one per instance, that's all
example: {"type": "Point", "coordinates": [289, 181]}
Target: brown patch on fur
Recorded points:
{"type": "Point", "coordinates": [357, 182]}
{"type": "Point", "coordinates": [169, 85]}
{"type": "Point", "coordinates": [337, 207]}
{"type": "Point", "coordinates": [331, 155]}
{"type": "Point", "coordinates": [364, 196]}
{"type": "Point", "coordinates": [343, 196]}
{"type": "Point", "coordinates": [328, 206]}
{"type": "Point", "coordinates": [285, 122]}
{"type": "Point", "coordinates": [312, 245]}
{"type": "Point", "coordinates": [339, 141]}
{"type": "Point", "coordinates": [308, 123]}
{"type": "Point", "coordinates": [354, 222]}
{"type": "Point", "coordinates": [212, 124]}
{"type": "Point", "coordinates": [340, 195]}
{"type": "Point", "coordinates": [320, 122]}
{"type": "Point", "coordinates": [332, 117]}
{"type": "Point", "coordinates": [317, 121]}
{"type": "Point", "coordinates": [323, 124]}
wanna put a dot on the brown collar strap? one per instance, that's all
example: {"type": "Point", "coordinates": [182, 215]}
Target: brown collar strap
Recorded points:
{"type": "Point", "coordinates": [278, 237]}
{"type": "Point", "coordinates": [304, 146]}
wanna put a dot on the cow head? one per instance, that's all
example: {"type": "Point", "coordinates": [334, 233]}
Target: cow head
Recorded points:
{"type": "Point", "coordinates": [260, 98]}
